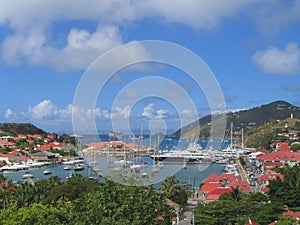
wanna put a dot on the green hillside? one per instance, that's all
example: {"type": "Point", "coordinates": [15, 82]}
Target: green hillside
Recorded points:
{"type": "Point", "coordinates": [263, 135]}
{"type": "Point", "coordinates": [20, 128]}
{"type": "Point", "coordinates": [244, 119]}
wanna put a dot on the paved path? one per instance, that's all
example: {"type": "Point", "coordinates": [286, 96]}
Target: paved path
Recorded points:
{"type": "Point", "coordinates": [188, 214]}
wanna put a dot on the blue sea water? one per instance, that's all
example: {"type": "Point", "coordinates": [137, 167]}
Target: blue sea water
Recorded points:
{"type": "Point", "coordinates": [166, 143]}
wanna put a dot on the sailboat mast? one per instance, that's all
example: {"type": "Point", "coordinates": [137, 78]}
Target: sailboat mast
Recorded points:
{"type": "Point", "coordinates": [142, 140]}
{"type": "Point", "coordinates": [242, 138]}
{"type": "Point", "coordinates": [231, 131]}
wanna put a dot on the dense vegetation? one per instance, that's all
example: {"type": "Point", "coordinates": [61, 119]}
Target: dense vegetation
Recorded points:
{"type": "Point", "coordinates": [81, 201]}
{"type": "Point", "coordinates": [236, 208]}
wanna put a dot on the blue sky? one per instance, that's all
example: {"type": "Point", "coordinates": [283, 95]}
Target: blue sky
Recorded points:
{"type": "Point", "coordinates": [251, 47]}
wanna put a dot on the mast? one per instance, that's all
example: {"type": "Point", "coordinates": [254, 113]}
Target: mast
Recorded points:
{"type": "Point", "coordinates": [231, 131]}
{"type": "Point", "coordinates": [242, 138]}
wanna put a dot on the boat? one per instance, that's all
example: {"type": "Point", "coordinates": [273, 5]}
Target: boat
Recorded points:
{"type": "Point", "coordinates": [144, 174]}
{"type": "Point", "coordinates": [72, 161]}
{"type": "Point", "coordinates": [79, 166]}
{"type": "Point", "coordinates": [14, 167]}
{"type": "Point", "coordinates": [193, 154]}
{"type": "Point", "coordinates": [47, 172]}
{"type": "Point", "coordinates": [28, 175]}
{"type": "Point", "coordinates": [67, 167]}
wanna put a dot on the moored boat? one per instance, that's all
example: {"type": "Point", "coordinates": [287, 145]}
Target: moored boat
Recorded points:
{"type": "Point", "coordinates": [28, 175]}
{"type": "Point", "coordinates": [78, 167]}
{"type": "Point", "coordinates": [67, 167]}
{"type": "Point", "coordinates": [47, 172]}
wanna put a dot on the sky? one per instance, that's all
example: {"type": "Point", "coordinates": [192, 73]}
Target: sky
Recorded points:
{"type": "Point", "coordinates": [249, 49]}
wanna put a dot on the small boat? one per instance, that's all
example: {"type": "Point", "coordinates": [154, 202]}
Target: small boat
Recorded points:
{"type": "Point", "coordinates": [67, 167]}
{"type": "Point", "coordinates": [78, 167]}
{"type": "Point", "coordinates": [144, 174]}
{"type": "Point", "coordinates": [47, 172]}
{"type": "Point", "coordinates": [28, 175]}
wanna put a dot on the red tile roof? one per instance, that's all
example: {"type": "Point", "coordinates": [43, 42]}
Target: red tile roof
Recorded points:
{"type": "Point", "coordinates": [288, 213]}
{"type": "Point", "coordinates": [273, 164]}
{"type": "Point", "coordinates": [271, 176]}
{"type": "Point", "coordinates": [265, 190]}
{"type": "Point", "coordinates": [210, 186]}
{"type": "Point", "coordinates": [243, 185]}
{"type": "Point", "coordinates": [280, 156]}
{"type": "Point", "coordinates": [216, 193]}
{"type": "Point", "coordinates": [228, 177]}
{"type": "Point", "coordinates": [296, 215]}
{"type": "Point", "coordinates": [283, 147]}
{"type": "Point", "coordinates": [211, 177]}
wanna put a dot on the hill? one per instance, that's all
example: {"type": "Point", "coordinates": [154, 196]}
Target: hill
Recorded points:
{"type": "Point", "coordinates": [20, 128]}
{"type": "Point", "coordinates": [244, 119]}
{"type": "Point", "coordinates": [265, 134]}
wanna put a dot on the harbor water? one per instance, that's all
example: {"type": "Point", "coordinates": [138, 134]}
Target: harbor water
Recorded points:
{"type": "Point", "coordinates": [192, 174]}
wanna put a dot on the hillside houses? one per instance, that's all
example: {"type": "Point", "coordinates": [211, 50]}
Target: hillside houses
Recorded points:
{"type": "Point", "coordinates": [28, 148]}
{"type": "Point", "coordinates": [215, 185]}
{"type": "Point", "coordinates": [282, 156]}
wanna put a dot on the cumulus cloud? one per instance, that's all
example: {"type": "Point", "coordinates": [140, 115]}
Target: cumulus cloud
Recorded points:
{"type": "Point", "coordinates": [81, 49]}
{"type": "Point", "coordinates": [276, 61]}
{"type": "Point", "coordinates": [162, 113]}
{"type": "Point", "coordinates": [44, 110]}
{"type": "Point", "coordinates": [32, 41]}
{"type": "Point", "coordinates": [123, 113]}
{"type": "Point", "coordinates": [150, 112]}
{"type": "Point", "coordinates": [9, 114]}
{"type": "Point", "coordinates": [47, 111]}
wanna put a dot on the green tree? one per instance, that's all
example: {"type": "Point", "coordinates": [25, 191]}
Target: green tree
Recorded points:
{"type": "Point", "coordinates": [286, 191]}
{"type": "Point", "coordinates": [173, 190]}
{"type": "Point", "coordinates": [287, 220]}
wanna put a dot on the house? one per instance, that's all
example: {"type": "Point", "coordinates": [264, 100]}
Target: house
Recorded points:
{"type": "Point", "coordinates": [8, 158]}
{"type": "Point", "coordinates": [264, 180]}
{"type": "Point", "coordinates": [282, 156]}
{"type": "Point", "coordinates": [4, 143]}
{"type": "Point", "coordinates": [215, 185]}
{"type": "Point", "coordinates": [216, 193]}
{"type": "Point", "coordinates": [43, 156]}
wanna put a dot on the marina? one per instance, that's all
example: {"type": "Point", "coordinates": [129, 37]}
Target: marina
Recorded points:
{"type": "Point", "coordinates": [194, 174]}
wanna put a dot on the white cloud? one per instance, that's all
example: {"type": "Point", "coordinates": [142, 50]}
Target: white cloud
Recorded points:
{"type": "Point", "coordinates": [44, 110]}
{"type": "Point", "coordinates": [187, 113]}
{"type": "Point", "coordinates": [81, 49]}
{"type": "Point", "coordinates": [162, 113]}
{"type": "Point", "coordinates": [149, 111]}
{"type": "Point", "coordinates": [194, 13]}
{"type": "Point", "coordinates": [32, 40]}
{"type": "Point", "coordinates": [276, 61]}
{"type": "Point", "coordinates": [9, 114]}
{"type": "Point", "coordinates": [123, 113]}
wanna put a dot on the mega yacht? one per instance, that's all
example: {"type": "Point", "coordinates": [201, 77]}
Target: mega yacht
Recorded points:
{"type": "Point", "coordinates": [193, 154]}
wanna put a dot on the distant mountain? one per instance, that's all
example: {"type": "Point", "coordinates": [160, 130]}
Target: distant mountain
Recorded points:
{"type": "Point", "coordinates": [20, 128]}
{"type": "Point", "coordinates": [246, 119]}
